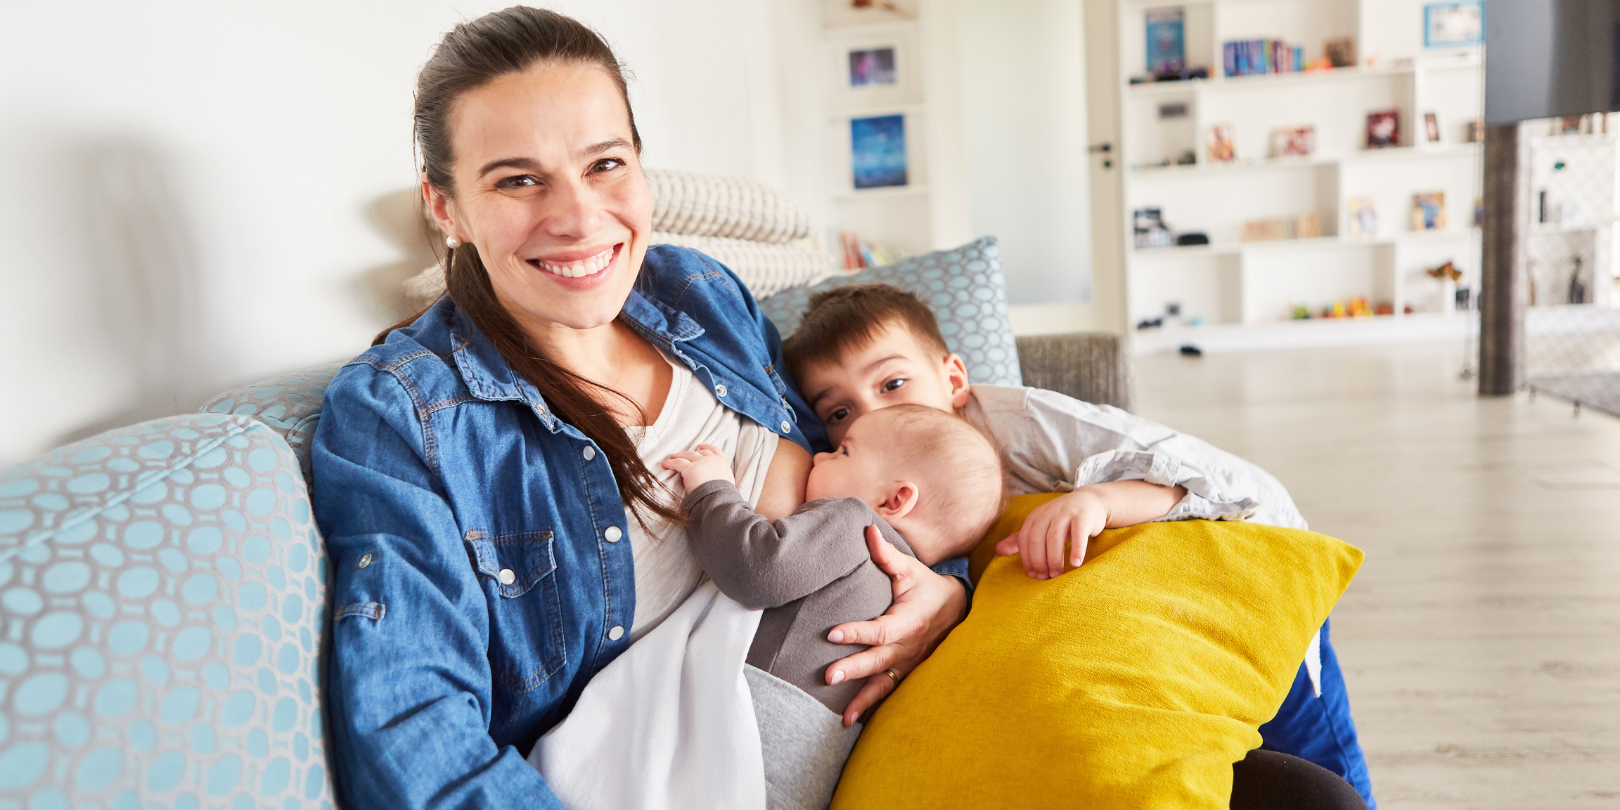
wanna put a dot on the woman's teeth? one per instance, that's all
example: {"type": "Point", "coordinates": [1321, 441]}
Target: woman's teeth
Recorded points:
{"type": "Point", "coordinates": [583, 267]}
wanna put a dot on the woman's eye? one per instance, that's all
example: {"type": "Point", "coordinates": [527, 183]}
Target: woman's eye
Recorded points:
{"type": "Point", "coordinates": [606, 164]}
{"type": "Point", "coordinates": [894, 385]}
{"type": "Point", "coordinates": [520, 181]}
{"type": "Point", "coordinates": [837, 415]}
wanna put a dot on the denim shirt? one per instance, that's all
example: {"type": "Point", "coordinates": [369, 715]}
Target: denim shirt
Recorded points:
{"type": "Point", "coordinates": [482, 571]}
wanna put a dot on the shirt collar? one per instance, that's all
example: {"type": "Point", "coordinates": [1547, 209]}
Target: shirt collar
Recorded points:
{"type": "Point", "coordinates": [491, 378]}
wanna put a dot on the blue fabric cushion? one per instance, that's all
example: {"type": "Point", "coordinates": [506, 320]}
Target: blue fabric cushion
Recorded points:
{"type": "Point", "coordinates": [163, 592]}
{"type": "Point", "coordinates": [965, 289]}
{"type": "Point", "coordinates": [290, 405]}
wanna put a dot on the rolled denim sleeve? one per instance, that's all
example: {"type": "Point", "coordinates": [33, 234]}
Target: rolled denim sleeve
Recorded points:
{"type": "Point", "coordinates": [409, 693]}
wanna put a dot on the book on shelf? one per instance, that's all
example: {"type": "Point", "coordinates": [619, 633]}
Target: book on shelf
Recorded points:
{"type": "Point", "coordinates": [1166, 42]}
{"type": "Point", "coordinates": [1257, 57]}
{"type": "Point", "coordinates": [859, 255]}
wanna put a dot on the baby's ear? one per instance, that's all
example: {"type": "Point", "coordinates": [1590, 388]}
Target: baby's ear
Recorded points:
{"type": "Point", "coordinates": [898, 500]}
{"type": "Point", "coordinates": [956, 377]}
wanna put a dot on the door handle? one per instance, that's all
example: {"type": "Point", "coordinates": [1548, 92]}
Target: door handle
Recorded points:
{"type": "Point", "coordinates": [1105, 148]}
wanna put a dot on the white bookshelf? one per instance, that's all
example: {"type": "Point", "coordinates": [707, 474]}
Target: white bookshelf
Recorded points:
{"type": "Point", "coordinates": [1244, 290]}
{"type": "Point", "coordinates": [899, 216]}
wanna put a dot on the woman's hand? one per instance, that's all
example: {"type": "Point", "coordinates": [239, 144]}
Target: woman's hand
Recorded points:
{"type": "Point", "coordinates": [1071, 521]}
{"type": "Point", "coordinates": [926, 606]}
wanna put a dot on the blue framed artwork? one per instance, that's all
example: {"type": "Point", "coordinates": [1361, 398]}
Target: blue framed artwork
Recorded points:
{"type": "Point", "coordinates": [1166, 41]}
{"type": "Point", "coordinates": [1455, 24]}
{"type": "Point", "coordinates": [878, 151]}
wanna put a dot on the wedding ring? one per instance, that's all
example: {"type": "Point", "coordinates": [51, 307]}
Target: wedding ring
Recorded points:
{"type": "Point", "coordinates": [895, 676]}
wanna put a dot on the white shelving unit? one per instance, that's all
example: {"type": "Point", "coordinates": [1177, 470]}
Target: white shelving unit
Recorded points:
{"type": "Point", "coordinates": [1244, 291]}
{"type": "Point", "coordinates": [900, 216]}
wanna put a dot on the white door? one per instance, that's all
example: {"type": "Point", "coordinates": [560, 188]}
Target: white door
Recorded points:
{"type": "Point", "coordinates": [1107, 184]}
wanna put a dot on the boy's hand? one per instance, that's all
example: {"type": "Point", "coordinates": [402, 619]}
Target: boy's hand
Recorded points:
{"type": "Point", "coordinates": [1071, 520]}
{"type": "Point", "coordinates": [700, 466]}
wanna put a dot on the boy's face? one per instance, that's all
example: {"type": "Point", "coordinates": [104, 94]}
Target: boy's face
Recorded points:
{"type": "Point", "coordinates": [854, 469]}
{"type": "Point", "coordinates": [894, 369]}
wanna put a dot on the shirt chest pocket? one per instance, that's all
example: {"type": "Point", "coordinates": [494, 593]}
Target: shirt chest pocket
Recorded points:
{"type": "Point", "coordinates": [519, 575]}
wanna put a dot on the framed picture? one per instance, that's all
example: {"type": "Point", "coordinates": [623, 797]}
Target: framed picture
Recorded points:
{"type": "Point", "coordinates": [1383, 129]}
{"type": "Point", "coordinates": [1363, 216]}
{"type": "Point", "coordinates": [1166, 41]}
{"type": "Point", "coordinates": [1293, 141]}
{"type": "Point", "coordinates": [1429, 211]}
{"type": "Point", "coordinates": [878, 151]}
{"type": "Point", "coordinates": [1454, 24]}
{"type": "Point", "coordinates": [1431, 127]}
{"type": "Point", "coordinates": [1221, 148]}
{"type": "Point", "coordinates": [872, 66]}
{"type": "Point", "coordinates": [1341, 51]}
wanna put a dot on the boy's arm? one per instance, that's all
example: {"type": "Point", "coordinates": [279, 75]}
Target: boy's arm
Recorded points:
{"type": "Point", "coordinates": [1072, 520]}
{"type": "Point", "coordinates": [763, 563]}
{"type": "Point", "coordinates": [1081, 444]}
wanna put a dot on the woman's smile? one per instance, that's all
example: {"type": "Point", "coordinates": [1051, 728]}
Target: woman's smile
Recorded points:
{"type": "Point", "coordinates": [587, 265]}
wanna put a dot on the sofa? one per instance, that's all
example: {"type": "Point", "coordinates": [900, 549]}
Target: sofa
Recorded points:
{"type": "Point", "coordinates": [164, 605]}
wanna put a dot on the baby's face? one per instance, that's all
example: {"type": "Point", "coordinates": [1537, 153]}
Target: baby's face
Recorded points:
{"type": "Point", "coordinates": [895, 369]}
{"type": "Point", "coordinates": [857, 468]}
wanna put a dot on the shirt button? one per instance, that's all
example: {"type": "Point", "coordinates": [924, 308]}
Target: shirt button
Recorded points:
{"type": "Point", "coordinates": [616, 633]}
{"type": "Point", "coordinates": [589, 452]}
{"type": "Point", "coordinates": [365, 560]}
{"type": "Point", "coordinates": [786, 428]}
{"type": "Point", "coordinates": [612, 534]}
{"type": "Point", "coordinates": [507, 577]}
{"type": "Point", "coordinates": [720, 391]}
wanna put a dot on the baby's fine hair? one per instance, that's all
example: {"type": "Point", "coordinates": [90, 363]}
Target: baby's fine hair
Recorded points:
{"type": "Point", "coordinates": [959, 467]}
{"type": "Point", "coordinates": [849, 318]}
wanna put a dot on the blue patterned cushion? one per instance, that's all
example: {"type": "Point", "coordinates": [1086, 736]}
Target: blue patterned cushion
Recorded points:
{"type": "Point", "coordinates": [163, 598]}
{"type": "Point", "coordinates": [289, 404]}
{"type": "Point", "coordinates": [963, 286]}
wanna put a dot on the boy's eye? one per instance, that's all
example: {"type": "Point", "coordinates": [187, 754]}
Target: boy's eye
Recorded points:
{"type": "Point", "coordinates": [894, 385]}
{"type": "Point", "coordinates": [837, 415]}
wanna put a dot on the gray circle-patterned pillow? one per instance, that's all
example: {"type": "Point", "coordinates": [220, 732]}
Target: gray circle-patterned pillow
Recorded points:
{"type": "Point", "coordinates": [965, 289]}
{"type": "Point", "coordinates": [163, 599]}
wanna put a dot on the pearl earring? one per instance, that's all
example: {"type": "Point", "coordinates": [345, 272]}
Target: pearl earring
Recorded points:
{"type": "Point", "coordinates": [452, 242]}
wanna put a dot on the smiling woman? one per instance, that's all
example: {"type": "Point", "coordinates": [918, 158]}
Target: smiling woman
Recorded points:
{"type": "Point", "coordinates": [481, 473]}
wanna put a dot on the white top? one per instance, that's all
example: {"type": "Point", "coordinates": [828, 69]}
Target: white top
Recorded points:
{"type": "Point", "coordinates": [1054, 443]}
{"type": "Point", "coordinates": [666, 569]}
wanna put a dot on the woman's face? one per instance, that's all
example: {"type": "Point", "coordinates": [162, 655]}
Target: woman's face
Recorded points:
{"type": "Point", "coordinates": [548, 187]}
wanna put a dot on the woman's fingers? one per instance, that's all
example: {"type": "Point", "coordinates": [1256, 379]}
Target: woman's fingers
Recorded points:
{"type": "Point", "coordinates": [869, 661]}
{"type": "Point", "coordinates": [877, 688]}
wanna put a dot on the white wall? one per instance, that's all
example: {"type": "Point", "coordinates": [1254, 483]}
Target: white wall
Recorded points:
{"type": "Point", "coordinates": [201, 194]}
{"type": "Point", "coordinates": [1024, 103]}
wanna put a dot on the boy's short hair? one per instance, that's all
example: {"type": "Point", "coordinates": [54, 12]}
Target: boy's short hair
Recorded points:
{"type": "Point", "coordinates": [959, 470]}
{"type": "Point", "coordinates": [848, 318]}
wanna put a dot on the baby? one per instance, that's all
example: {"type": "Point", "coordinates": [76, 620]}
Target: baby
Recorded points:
{"type": "Point", "coordinates": [929, 480]}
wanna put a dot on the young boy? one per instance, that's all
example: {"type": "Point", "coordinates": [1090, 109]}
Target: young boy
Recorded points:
{"type": "Point", "coordinates": [864, 347]}
{"type": "Point", "coordinates": [929, 480]}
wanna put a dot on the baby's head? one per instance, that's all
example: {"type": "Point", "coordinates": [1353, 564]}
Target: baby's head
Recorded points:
{"type": "Point", "coordinates": [863, 347]}
{"type": "Point", "coordinates": [930, 473]}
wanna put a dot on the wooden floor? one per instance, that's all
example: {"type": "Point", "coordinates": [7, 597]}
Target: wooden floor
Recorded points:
{"type": "Point", "coordinates": [1481, 640]}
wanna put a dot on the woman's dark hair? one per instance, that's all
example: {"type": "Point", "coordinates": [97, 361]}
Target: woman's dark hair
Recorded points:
{"type": "Point", "coordinates": [470, 56]}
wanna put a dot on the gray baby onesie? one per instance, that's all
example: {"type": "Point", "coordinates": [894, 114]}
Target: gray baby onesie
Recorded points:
{"type": "Point", "coordinates": [809, 572]}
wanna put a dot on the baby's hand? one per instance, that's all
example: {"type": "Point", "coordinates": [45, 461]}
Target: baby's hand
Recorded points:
{"type": "Point", "coordinates": [700, 466]}
{"type": "Point", "coordinates": [1071, 520]}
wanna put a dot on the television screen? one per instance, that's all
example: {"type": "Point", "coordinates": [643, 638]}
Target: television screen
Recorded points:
{"type": "Point", "coordinates": [1551, 58]}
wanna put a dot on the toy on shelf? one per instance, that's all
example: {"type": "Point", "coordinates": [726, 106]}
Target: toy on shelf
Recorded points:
{"type": "Point", "coordinates": [1356, 307]}
{"type": "Point", "coordinates": [1447, 270]}
{"type": "Point", "coordinates": [1429, 211]}
{"type": "Point", "coordinates": [1221, 148]}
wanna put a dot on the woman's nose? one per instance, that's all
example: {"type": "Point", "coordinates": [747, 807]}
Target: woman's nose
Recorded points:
{"type": "Point", "coordinates": [573, 210]}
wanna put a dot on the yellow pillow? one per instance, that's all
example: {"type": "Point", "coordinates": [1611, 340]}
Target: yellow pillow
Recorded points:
{"type": "Point", "coordinates": [1133, 681]}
